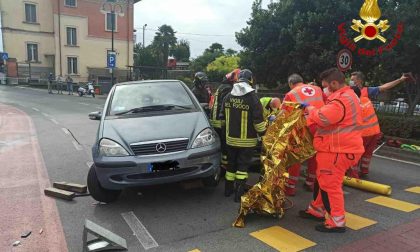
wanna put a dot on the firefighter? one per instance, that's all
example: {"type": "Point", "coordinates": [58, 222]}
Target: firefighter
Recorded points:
{"type": "Point", "coordinates": [243, 115]}
{"type": "Point", "coordinates": [372, 136]}
{"type": "Point", "coordinates": [199, 90]}
{"type": "Point", "coordinates": [311, 95]}
{"type": "Point", "coordinates": [270, 106]}
{"type": "Point", "coordinates": [221, 92]}
{"type": "Point", "coordinates": [339, 145]}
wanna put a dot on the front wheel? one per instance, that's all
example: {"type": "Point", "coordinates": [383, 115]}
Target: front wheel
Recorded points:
{"type": "Point", "coordinates": [214, 179]}
{"type": "Point", "coordinates": [97, 191]}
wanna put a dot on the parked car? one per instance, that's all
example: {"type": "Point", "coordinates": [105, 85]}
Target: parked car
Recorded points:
{"type": "Point", "coordinates": [150, 133]}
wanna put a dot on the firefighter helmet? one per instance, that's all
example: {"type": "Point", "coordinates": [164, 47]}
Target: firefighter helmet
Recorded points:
{"type": "Point", "coordinates": [246, 76]}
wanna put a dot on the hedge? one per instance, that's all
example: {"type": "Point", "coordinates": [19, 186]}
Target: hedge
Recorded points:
{"type": "Point", "coordinates": [400, 126]}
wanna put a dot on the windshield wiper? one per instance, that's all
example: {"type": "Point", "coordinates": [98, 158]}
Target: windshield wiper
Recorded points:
{"type": "Point", "coordinates": [152, 108]}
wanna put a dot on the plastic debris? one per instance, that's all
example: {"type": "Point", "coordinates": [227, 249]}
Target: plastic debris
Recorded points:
{"type": "Point", "coordinates": [16, 243]}
{"type": "Point", "coordinates": [25, 234]}
{"type": "Point", "coordinates": [41, 231]}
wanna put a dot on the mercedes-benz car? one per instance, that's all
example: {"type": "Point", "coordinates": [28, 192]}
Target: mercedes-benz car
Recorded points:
{"type": "Point", "coordinates": [150, 133]}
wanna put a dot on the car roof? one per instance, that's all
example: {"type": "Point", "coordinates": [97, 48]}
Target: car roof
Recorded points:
{"type": "Point", "coordinates": [146, 82]}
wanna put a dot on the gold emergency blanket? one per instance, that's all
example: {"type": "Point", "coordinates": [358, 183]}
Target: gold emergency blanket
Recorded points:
{"type": "Point", "coordinates": [286, 142]}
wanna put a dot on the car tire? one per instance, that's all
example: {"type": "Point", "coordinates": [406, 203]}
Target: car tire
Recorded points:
{"type": "Point", "coordinates": [214, 179]}
{"type": "Point", "coordinates": [97, 191]}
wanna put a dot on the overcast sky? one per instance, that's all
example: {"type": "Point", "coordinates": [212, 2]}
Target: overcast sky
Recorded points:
{"type": "Point", "coordinates": [206, 17]}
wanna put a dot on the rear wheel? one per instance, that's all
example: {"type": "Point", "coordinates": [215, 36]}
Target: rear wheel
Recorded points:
{"type": "Point", "coordinates": [214, 179]}
{"type": "Point", "coordinates": [97, 191]}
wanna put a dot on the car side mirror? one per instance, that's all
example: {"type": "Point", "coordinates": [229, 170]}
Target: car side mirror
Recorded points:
{"type": "Point", "coordinates": [95, 115]}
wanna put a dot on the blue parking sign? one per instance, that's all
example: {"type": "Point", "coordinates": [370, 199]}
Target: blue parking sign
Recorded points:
{"type": "Point", "coordinates": [111, 60]}
{"type": "Point", "coordinates": [4, 56]}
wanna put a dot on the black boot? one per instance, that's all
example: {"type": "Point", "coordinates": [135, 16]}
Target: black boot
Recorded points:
{"type": "Point", "coordinates": [239, 189]}
{"type": "Point", "coordinates": [228, 188]}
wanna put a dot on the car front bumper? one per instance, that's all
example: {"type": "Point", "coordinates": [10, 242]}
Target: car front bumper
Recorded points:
{"type": "Point", "coordinates": [117, 173]}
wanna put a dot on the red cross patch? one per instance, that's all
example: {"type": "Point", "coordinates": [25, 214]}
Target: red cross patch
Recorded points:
{"type": "Point", "coordinates": [308, 91]}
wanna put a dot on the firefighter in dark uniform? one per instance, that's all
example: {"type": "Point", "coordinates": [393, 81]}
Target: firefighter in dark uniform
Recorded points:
{"type": "Point", "coordinates": [215, 120]}
{"type": "Point", "coordinates": [243, 115]}
{"type": "Point", "coordinates": [199, 90]}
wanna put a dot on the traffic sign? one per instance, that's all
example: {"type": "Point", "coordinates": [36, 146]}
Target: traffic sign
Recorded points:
{"type": "Point", "coordinates": [344, 60]}
{"type": "Point", "coordinates": [4, 56]}
{"type": "Point", "coordinates": [111, 60]}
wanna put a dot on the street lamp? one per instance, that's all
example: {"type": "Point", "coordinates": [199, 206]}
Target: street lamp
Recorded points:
{"type": "Point", "coordinates": [144, 27]}
{"type": "Point", "coordinates": [113, 7]}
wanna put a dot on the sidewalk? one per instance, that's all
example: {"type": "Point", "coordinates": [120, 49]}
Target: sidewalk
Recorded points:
{"type": "Point", "coordinates": [404, 237]}
{"type": "Point", "coordinates": [55, 91]}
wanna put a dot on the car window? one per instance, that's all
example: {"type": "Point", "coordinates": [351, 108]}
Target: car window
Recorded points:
{"type": "Point", "coordinates": [128, 97]}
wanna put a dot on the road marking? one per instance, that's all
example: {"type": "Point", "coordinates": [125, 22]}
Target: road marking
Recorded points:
{"type": "Point", "coordinates": [356, 222]}
{"type": "Point", "coordinates": [66, 131]}
{"type": "Point", "coordinates": [89, 164]}
{"type": "Point", "coordinates": [282, 239]}
{"type": "Point", "coordinates": [35, 109]}
{"type": "Point", "coordinates": [397, 160]}
{"type": "Point", "coordinates": [393, 203]}
{"type": "Point", "coordinates": [45, 114]}
{"type": "Point", "coordinates": [415, 189]}
{"type": "Point", "coordinates": [139, 230]}
{"type": "Point", "coordinates": [194, 250]}
{"type": "Point", "coordinates": [54, 121]}
{"type": "Point", "coordinates": [86, 104]}
{"type": "Point", "coordinates": [77, 146]}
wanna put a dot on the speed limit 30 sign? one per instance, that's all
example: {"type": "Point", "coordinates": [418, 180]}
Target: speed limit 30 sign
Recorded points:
{"type": "Point", "coordinates": [344, 60]}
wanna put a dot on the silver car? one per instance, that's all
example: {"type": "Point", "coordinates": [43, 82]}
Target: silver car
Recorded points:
{"type": "Point", "coordinates": [151, 132]}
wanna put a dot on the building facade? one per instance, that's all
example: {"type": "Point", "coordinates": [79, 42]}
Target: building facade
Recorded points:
{"type": "Point", "coordinates": [68, 37]}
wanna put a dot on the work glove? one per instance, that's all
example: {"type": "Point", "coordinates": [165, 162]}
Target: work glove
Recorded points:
{"type": "Point", "coordinates": [303, 105]}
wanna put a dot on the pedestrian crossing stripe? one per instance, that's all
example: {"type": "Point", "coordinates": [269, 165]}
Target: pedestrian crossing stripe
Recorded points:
{"type": "Point", "coordinates": [356, 222]}
{"type": "Point", "coordinates": [194, 250]}
{"type": "Point", "coordinates": [282, 239]}
{"type": "Point", "coordinates": [393, 203]}
{"type": "Point", "coordinates": [415, 189]}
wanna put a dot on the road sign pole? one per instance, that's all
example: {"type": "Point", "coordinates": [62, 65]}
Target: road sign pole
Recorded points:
{"type": "Point", "coordinates": [112, 43]}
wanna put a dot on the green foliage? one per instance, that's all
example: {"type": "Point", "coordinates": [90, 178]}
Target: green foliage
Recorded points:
{"type": "Point", "coordinates": [398, 126]}
{"type": "Point", "coordinates": [163, 40]}
{"type": "Point", "coordinates": [145, 56]}
{"type": "Point", "coordinates": [188, 81]}
{"type": "Point", "coordinates": [181, 51]}
{"type": "Point", "coordinates": [231, 52]}
{"type": "Point", "coordinates": [210, 54]}
{"type": "Point", "coordinates": [220, 66]}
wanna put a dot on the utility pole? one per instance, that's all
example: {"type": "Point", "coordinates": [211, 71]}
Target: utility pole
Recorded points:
{"type": "Point", "coordinates": [112, 43]}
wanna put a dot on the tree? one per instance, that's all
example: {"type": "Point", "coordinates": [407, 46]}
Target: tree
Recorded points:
{"type": "Point", "coordinates": [163, 40]}
{"type": "Point", "coordinates": [215, 47]}
{"type": "Point", "coordinates": [221, 66]}
{"type": "Point", "coordinates": [145, 56]}
{"type": "Point", "coordinates": [181, 51]}
{"type": "Point", "coordinates": [231, 52]}
{"type": "Point", "coordinates": [209, 55]}
{"type": "Point", "coordinates": [302, 36]}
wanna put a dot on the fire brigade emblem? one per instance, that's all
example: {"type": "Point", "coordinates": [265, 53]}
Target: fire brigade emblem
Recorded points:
{"type": "Point", "coordinates": [369, 30]}
{"type": "Point", "coordinates": [308, 91]}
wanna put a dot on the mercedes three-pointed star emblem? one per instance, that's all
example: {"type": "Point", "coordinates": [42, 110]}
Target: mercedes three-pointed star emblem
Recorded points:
{"type": "Point", "coordinates": [160, 147]}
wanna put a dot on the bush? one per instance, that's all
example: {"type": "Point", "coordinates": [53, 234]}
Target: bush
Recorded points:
{"type": "Point", "coordinates": [400, 126]}
{"type": "Point", "coordinates": [187, 81]}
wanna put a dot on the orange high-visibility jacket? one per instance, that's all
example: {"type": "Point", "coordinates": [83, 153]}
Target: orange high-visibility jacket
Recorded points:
{"type": "Point", "coordinates": [304, 93]}
{"type": "Point", "coordinates": [338, 123]}
{"type": "Point", "coordinates": [364, 92]}
{"type": "Point", "coordinates": [370, 124]}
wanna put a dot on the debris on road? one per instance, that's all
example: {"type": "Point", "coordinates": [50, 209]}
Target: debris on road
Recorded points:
{"type": "Point", "coordinates": [16, 243]}
{"type": "Point", "coordinates": [41, 231]}
{"type": "Point", "coordinates": [58, 193]}
{"type": "Point", "coordinates": [26, 234]}
{"type": "Point", "coordinates": [98, 203]}
{"type": "Point", "coordinates": [72, 187]}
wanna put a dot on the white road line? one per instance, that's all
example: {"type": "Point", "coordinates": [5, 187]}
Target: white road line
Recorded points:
{"type": "Point", "coordinates": [82, 103]}
{"type": "Point", "coordinates": [397, 160]}
{"type": "Point", "coordinates": [99, 107]}
{"type": "Point", "coordinates": [54, 121]}
{"type": "Point", "coordinates": [89, 164]}
{"type": "Point", "coordinates": [77, 146]}
{"type": "Point", "coordinates": [35, 109]}
{"type": "Point", "coordinates": [139, 230]}
{"type": "Point", "coordinates": [66, 131]}
{"type": "Point", "coordinates": [45, 114]}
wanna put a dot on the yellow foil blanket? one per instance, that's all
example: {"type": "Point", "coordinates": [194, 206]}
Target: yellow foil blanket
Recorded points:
{"type": "Point", "coordinates": [286, 142]}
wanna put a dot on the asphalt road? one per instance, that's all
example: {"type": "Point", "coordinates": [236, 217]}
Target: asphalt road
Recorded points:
{"type": "Point", "coordinates": [177, 217]}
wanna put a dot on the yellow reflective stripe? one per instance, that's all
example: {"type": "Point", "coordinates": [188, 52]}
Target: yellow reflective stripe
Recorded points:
{"type": "Point", "coordinates": [241, 175]}
{"type": "Point", "coordinates": [227, 116]}
{"type": "Point", "coordinates": [244, 124]}
{"type": "Point", "coordinates": [230, 176]}
{"type": "Point", "coordinates": [237, 142]}
{"type": "Point", "coordinates": [216, 99]}
{"type": "Point", "coordinates": [216, 123]}
{"type": "Point", "coordinates": [222, 123]}
{"type": "Point", "coordinates": [260, 127]}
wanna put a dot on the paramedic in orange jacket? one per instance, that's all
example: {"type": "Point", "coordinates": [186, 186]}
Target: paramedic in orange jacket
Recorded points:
{"type": "Point", "coordinates": [339, 145]}
{"type": "Point", "coordinates": [370, 137]}
{"type": "Point", "coordinates": [312, 95]}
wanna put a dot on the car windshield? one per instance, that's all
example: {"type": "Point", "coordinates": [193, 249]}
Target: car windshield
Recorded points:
{"type": "Point", "coordinates": [146, 97]}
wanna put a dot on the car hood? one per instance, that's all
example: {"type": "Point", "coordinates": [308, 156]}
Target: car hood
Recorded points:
{"type": "Point", "coordinates": [130, 130]}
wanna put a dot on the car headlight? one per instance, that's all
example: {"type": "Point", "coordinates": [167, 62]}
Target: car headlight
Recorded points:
{"type": "Point", "coordinates": [110, 148]}
{"type": "Point", "coordinates": [205, 138]}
